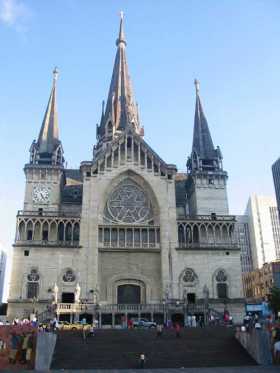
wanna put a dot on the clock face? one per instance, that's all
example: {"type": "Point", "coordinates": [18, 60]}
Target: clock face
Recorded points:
{"type": "Point", "coordinates": [41, 194]}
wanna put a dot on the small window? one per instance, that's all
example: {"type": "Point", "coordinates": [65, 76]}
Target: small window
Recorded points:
{"type": "Point", "coordinates": [26, 252]}
{"type": "Point", "coordinates": [211, 181]}
{"type": "Point", "coordinates": [32, 290]}
{"type": "Point", "coordinates": [87, 174]}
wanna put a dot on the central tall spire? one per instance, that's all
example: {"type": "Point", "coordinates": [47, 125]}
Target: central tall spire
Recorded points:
{"type": "Point", "coordinates": [121, 110]}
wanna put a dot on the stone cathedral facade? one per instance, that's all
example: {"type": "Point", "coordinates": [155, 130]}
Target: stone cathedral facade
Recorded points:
{"type": "Point", "coordinates": [125, 228]}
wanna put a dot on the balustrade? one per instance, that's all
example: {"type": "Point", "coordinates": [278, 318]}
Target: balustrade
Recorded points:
{"type": "Point", "coordinates": [111, 236]}
{"type": "Point", "coordinates": [108, 308]}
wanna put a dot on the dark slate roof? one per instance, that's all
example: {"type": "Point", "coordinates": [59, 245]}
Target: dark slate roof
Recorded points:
{"type": "Point", "coordinates": [202, 141]}
{"type": "Point", "coordinates": [48, 139]}
{"type": "Point", "coordinates": [72, 194]}
{"type": "Point", "coordinates": [121, 109]}
{"type": "Point", "coordinates": [73, 174]}
{"type": "Point", "coordinates": [180, 189]}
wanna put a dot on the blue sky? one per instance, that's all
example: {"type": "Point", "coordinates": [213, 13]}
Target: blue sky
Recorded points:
{"type": "Point", "coordinates": [232, 47]}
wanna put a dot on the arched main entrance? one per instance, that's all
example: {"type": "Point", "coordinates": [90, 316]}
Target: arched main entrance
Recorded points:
{"type": "Point", "coordinates": [129, 294]}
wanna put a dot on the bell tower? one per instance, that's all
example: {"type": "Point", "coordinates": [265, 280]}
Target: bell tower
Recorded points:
{"type": "Point", "coordinates": [206, 184]}
{"type": "Point", "coordinates": [44, 172]}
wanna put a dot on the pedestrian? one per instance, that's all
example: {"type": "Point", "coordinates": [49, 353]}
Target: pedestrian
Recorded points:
{"type": "Point", "coordinates": [142, 361]}
{"type": "Point", "coordinates": [194, 321]}
{"type": "Point", "coordinates": [91, 330]}
{"type": "Point", "coordinates": [129, 324]}
{"type": "Point", "coordinates": [13, 347]}
{"type": "Point", "coordinates": [29, 350]}
{"type": "Point", "coordinates": [159, 330]}
{"type": "Point", "coordinates": [84, 333]}
{"type": "Point", "coordinates": [276, 352]}
{"type": "Point", "coordinates": [177, 330]}
{"type": "Point", "coordinates": [24, 348]}
{"type": "Point", "coordinates": [201, 321]}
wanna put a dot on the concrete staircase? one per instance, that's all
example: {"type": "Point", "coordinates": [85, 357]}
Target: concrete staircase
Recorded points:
{"type": "Point", "coordinates": [120, 349]}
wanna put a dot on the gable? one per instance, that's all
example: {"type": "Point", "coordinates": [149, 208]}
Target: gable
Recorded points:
{"type": "Point", "coordinates": [130, 148]}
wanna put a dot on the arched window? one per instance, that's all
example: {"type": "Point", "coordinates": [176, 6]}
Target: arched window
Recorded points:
{"type": "Point", "coordinates": [76, 232]}
{"type": "Point", "coordinates": [33, 284]}
{"type": "Point", "coordinates": [221, 283]}
{"type": "Point", "coordinates": [68, 233]}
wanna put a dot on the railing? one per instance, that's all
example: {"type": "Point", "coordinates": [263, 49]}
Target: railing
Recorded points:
{"type": "Point", "coordinates": [212, 217]}
{"type": "Point", "coordinates": [47, 243]}
{"type": "Point", "coordinates": [109, 308]}
{"type": "Point", "coordinates": [111, 236]}
{"type": "Point", "coordinates": [45, 213]}
{"type": "Point", "coordinates": [74, 307]}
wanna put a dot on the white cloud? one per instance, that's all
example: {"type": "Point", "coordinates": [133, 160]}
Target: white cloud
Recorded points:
{"type": "Point", "coordinates": [14, 13]}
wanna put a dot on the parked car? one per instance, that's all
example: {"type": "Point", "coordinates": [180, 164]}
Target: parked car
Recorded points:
{"type": "Point", "coordinates": [144, 323]}
{"type": "Point", "coordinates": [73, 326]}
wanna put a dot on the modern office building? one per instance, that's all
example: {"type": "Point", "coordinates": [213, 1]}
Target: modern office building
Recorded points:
{"type": "Point", "coordinates": [276, 179]}
{"type": "Point", "coordinates": [264, 229]}
{"type": "Point", "coordinates": [243, 240]}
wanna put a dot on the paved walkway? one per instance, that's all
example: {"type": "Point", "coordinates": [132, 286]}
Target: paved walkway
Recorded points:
{"type": "Point", "coordinates": [257, 369]}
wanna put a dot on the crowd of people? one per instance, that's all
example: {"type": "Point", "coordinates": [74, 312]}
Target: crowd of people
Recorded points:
{"type": "Point", "coordinates": [17, 342]}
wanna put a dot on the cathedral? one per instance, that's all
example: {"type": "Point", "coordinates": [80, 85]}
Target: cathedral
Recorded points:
{"type": "Point", "coordinates": [125, 235]}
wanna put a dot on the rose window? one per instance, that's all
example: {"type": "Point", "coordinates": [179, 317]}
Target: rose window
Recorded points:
{"type": "Point", "coordinates": [189, 275]}
{"type": "Point", "coordinates": [128, 203]}
{"type": "Point", "coordinates": [69, 276]}
{"type": "Point", "coordinates": [33, 275]}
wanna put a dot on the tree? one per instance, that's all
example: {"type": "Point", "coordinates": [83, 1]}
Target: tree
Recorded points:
{"type": "Point", "coordinates": [274, 300]}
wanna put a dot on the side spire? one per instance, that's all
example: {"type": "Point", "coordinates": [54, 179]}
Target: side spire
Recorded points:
{"type": "Point", "coordinates": [204, 155]}
{"type": "Point", "coordinates": [48, 148]}
{"type": "Point", "coordinates": [120, 111]}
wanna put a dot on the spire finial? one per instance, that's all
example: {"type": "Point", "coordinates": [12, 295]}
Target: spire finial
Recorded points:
{"type": "Point", "coordinates": [55, 74]}
{"type": "Point", "coordinates": [196, 83]}
{"type": "Point", "coordinates": [121, 38]}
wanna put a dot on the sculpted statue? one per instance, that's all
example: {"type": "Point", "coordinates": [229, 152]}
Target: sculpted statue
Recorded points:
{"type": "Point", "coordinates": [206, 293]}
{"type": "Point", "coordinates": [55, 293]}
{"type": "Point", "coordinates": [77, 293]}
